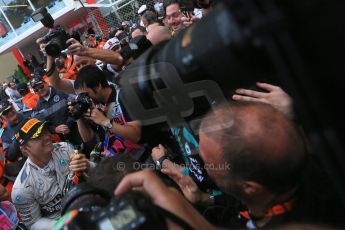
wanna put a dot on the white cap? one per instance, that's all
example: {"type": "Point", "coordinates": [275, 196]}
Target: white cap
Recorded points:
{"type": "Point", "coordinates": [111, 43]}
{"type": "Point", "coordinates": [142, 9]}
{"type": "Point", "coordinates": [125, 23]}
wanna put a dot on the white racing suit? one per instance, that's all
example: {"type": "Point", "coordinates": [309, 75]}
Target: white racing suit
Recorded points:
{"type": "Point", "coordinates": [37, 192]}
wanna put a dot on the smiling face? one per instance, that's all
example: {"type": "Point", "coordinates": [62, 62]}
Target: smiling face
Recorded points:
{"type": "Point", "coordinates": [173, 17]}
{"type": "Point", "coordinates": [40, 147]}
{"type": "Point", "coordinates": [42, 89]}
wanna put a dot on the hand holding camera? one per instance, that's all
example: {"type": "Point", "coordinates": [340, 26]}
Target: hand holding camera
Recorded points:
{"type": "Point", "coordinates": [75, 47]}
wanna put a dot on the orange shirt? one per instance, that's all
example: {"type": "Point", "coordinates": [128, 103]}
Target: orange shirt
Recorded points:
{"type": "Point", "coordinates": [30, 100]}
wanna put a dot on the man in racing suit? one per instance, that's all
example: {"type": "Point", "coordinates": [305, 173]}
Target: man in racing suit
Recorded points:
{"type": "Point", "coordinates": [38, 189]}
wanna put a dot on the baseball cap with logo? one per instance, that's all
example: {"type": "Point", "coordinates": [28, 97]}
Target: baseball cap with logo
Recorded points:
{"type": "Point", "coordinates": [29, 129]}
{"type": "Point", "coordinates": [5, 106]}
{"type": "Point", "coordinates": [111, 43]}
{"type": "Point", "coordinates": [36, 80]}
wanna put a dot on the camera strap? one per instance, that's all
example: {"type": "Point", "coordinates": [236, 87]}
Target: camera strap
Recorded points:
{"type": "Point", "coordinates": [183, 224]}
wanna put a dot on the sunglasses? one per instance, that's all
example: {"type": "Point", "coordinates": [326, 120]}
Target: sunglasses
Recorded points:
{"type": "Point", "coordinates": [38, 88]}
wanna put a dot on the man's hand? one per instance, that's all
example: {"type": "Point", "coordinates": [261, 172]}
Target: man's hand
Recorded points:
{"type": "Point", "coordinates": [3, 193]}
{"type": "Point", "coordinates": [162, 196]}
{"type": "Point", "coordinates": [275, 96]}
{"type": "Point", "coordinates": [158, 152]}
{"type": "Point", "coordinates": [43, 48]}
{"type": "Point", "coordinates": [96, 116]}
{"type": "Point", "coordinates": [187, 185]}
{"type": "Point", "coordinates": [78, 163]}
{"type": "Point", "coordinates": [63, 129]}
{"type": "Point", "coordinates": [189, 21]}
{"type": "Point", "coordinates": [75, 47]}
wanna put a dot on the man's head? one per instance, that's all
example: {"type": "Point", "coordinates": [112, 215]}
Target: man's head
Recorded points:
{"type": "Point", "coordinates": [40, 86]}
{"type": "Point", "coordinates": [82, 61]}
{"type": "Point", "coordinates": [149, 17]}
{"type": "Point", "coordinates": [8, 113]}
{"type": "Point", "coordinates": [263, 149]}
{"type": "Point", "coordinates": [158, 34]}
{"type": "Point", "coordinates": [173, 15]}
{"type": "Point", "coordinates": [23, 89]}
{"type": "Point", "coordinates": [12, 85]}
{"type": "Point", "coordinates": [91, 80]}
{"type": "Point", "coordinates": [137, 31]}
{"type": "Point", "coordinates": [34, 139]}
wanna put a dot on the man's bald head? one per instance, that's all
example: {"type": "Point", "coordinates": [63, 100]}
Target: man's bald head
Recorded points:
{"type": "Point", "coordinates": [258, 142]}
{"type": "Point", "coordinates": [158, 34]}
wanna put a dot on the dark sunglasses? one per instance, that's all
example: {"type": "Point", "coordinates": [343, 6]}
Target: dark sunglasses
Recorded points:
{"type": "Point", "coordinates": [37, 88]}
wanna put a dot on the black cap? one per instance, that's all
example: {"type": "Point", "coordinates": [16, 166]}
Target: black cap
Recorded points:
{"type": "Point", "coordinates": [29, 129]}
{"type": "Point", "coordinates": [4, 106]}
{"type": "Point", "coordinates": [22, 87]}
{"type": "Point", "coordinates": [36, 80]}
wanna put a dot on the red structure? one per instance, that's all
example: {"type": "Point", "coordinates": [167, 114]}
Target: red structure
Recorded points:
{"type": "Point", "coordinates": [20, 61]}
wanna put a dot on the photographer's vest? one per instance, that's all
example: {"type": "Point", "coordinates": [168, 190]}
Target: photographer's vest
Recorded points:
{"type": "Point", "coordinates": [113, 143]}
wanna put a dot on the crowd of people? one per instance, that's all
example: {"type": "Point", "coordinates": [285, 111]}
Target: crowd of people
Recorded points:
{"type": "Point", "coordinates": [71, 124]}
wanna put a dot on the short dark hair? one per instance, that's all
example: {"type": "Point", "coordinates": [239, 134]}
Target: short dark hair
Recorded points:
{"type": "Point", "coordinates": [243, 145]}
{"type": "Point", "coordinates": [170, 2]}
{"type": "Point", "coordinates": [151, 17]}
{"type": "Point", "coordinates": [110, 171]}
{"type": "Point", "coordinates": [91, 77]}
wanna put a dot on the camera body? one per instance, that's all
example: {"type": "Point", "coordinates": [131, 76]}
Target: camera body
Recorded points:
{"type": "Point", "coordinates": [80, 106]}
{"type": "Point", "coordinates": [56, 41]}
{"type": "Point", "coordinates": [87, 207]}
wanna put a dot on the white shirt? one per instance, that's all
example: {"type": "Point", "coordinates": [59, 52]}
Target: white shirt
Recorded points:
{"type": "Point", "coordinates": [37, 192]}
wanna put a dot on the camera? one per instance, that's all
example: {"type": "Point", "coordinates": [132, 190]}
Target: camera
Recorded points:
{"type": "Point", "coordinates": [56, 41]}
{"type": "Point", "coordinates": [86, 207]}
{"type": "Point", "coordinates": [80, 106]}
{"type": "Point", "coordinates": [56, 38]}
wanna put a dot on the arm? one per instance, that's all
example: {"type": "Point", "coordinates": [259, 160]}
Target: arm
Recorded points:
{"type": "Point", "coordinates": [175, 172]}
{"type": "Point", "coordinates": [107, 56]}
{"type": "Point", "coordinates": [130, 130]}
{"type": "Point", "coordinates": [85, 131]}
{"type": "Point", "coordinates": [163, 196]}
{"type": "Point", "coordinates": [61, 84]}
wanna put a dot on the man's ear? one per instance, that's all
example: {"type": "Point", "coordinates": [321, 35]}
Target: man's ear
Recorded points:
{"type": "Point", "coordinates": [252, 188]}
{"type": "Point", "coordinates": [24, 149]}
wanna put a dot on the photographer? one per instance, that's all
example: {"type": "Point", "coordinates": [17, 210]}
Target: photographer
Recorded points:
{"type": "Point", "coordinates": [121, 134]}
{"type": "Point", "coordinates": [37, 191]}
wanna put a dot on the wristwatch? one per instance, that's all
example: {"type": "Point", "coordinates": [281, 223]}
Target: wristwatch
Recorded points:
{"type": "Point", "coordinates": [108, 125]}
{"type": "Point", "coordinates": [159, 162]}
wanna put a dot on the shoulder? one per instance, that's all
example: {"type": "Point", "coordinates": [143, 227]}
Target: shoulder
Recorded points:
{"type": "Point", "coordinates": [22, 188]}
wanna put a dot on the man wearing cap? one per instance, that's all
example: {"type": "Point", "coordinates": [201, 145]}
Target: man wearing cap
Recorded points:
{"type": "Point", "coordinates": [29, 100]}
{"type": "Point", "coordinates": [38, 189]}
{"type": "Point", "coordinates": [54, 104]}
{"type": "Point", "coordinates": [13, 118]}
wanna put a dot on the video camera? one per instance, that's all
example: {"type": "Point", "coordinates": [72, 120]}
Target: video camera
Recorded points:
{"type": "Point", "coordinates": [56, 38]}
